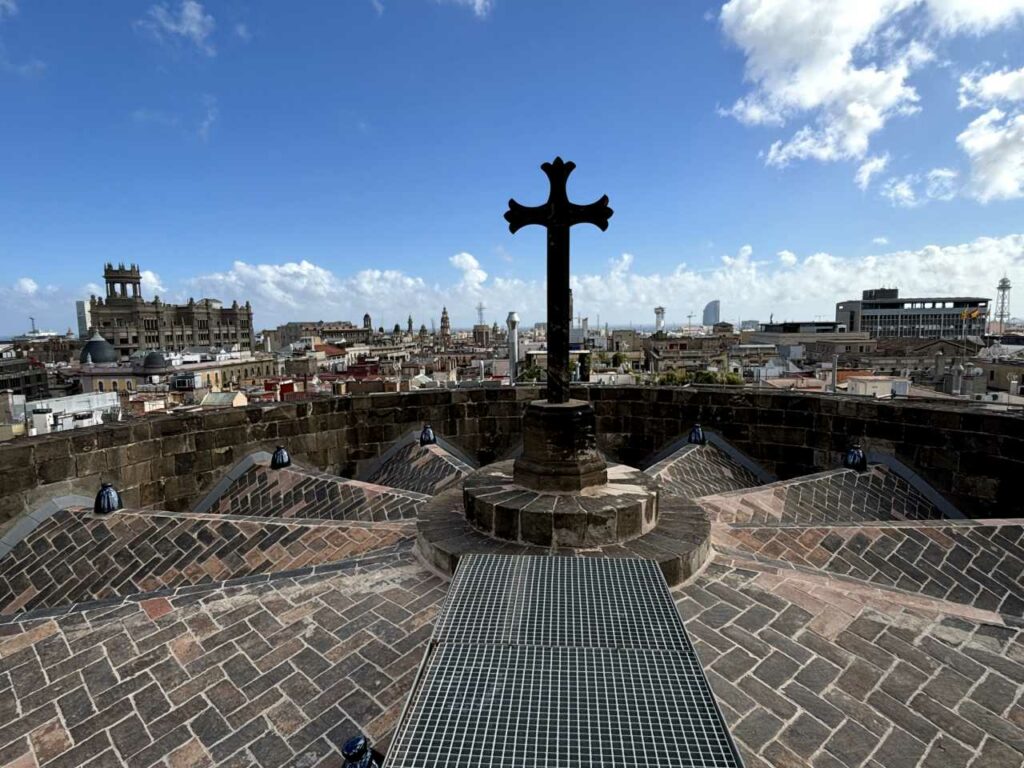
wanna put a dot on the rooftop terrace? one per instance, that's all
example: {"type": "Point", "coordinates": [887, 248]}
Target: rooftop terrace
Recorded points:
{"type": "Point", "coordinates": [840, 618]}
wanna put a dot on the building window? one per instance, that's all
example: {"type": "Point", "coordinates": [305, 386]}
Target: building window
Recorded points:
{"type": "Point", "coordinates": [99, 386]}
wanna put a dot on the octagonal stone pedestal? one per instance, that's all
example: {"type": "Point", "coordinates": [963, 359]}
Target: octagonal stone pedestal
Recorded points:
{"type": "Point", "coordinates": [560, 447]}
{"type": "Point", "coordinates": [621, 509]}
{"type": "Point", "coordinates": [672, 532]}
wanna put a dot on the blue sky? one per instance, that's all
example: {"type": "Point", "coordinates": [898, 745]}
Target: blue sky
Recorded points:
{"type": "Point", "coordinates": [325, 159]}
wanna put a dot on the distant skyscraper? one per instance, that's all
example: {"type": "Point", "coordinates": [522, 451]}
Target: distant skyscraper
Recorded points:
{"type": "Point", "coordinates": [659, 319]}
{"type": "Point", "coordinates": [84, 312]}
{"type": "Point", "coordinates": [712, 312]}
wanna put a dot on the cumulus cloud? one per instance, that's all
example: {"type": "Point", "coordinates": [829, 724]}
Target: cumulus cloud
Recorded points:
{"type": "Point", "coordinates": [994, 144]}
{"type": "Point", "coordinates": [472, 275]}
{"type": "Point", "coordinates": [152, 284]}
{"type": "Point", "coordinates": [189, 23]}
{"type": "Point", "coordinates": [870, 168]}
{"type": "Point", "coordinates": [880, 240]}
{"type": "Point", "coordinates": [978, 90]}
{"type": "Point", "coordinates": [242, 31]}
{"type": "Point", "coordinates": [974, 16]}
{"type": "Point", "coordinates": [621, 292]}
{"type": "Point", "coordinates": [26, 286]}
{"type": "Point", "coordinates": [841, 70]}
{"type": "Point", "coordinates": [786, 286]}
{"type": "Point", "coordinates": [8, 8]}
{"type": "Point", "coordinates": [801, 59]}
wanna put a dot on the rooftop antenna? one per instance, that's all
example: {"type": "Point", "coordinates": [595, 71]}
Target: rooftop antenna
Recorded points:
{"type": "Point", "coordinates": [480, 313]}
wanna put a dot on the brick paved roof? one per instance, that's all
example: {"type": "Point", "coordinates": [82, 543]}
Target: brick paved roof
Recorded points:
{"type": "Point", "coordinates": [840, 620]}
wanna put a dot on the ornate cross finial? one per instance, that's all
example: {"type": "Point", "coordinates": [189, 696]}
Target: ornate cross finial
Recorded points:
{"type": "Point", "coordinates": [558, 211]}
{"type": "Point", "coordinates": [558, 215]}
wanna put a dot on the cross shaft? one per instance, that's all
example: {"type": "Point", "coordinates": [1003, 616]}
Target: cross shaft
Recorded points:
{"type": "Point", "coordinates": [558, 215]}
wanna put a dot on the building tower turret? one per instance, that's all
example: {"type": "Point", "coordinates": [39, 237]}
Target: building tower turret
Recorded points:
{"type": "Point", "coordinates": [512, 321]}
{"type": "Point", "coordinates": [446, 329]}
{"type": "Point", "coordinates": [121, 279]}
{"type": "Point", "coordinates": [1002, 304]}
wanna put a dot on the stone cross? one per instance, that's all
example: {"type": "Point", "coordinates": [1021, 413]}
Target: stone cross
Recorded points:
{"type": "Point", "coordinates": [558, 215]}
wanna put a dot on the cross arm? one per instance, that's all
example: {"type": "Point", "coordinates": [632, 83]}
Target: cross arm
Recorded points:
{"type": "Point", "coordinates": [519, 216]}
{"type": "Point", "coordinates": [597, 213]}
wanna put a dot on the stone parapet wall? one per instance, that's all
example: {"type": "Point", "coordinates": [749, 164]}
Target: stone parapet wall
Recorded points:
{"type": "Point", "coordinates": [975, 458]}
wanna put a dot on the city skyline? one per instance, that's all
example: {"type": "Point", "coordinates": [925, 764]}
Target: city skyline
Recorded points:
{"type": "Point", "coordinates": [357, 158]}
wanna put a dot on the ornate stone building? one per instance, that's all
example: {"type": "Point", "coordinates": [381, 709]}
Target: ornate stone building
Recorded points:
{"type": "Point", "coordinates": [131, 323]}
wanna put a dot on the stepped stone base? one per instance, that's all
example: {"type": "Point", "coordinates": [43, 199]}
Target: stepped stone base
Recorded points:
{"type": "Point", "coordinates": [679, 544]}
{"type": "Point", "coordinates": [622, 509]}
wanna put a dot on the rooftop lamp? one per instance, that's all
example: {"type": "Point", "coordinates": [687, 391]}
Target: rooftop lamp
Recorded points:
{"type": "Point", "coordinates": [357, 753]}
{"type": "Point", "coordinates": [280, 459]}
{"type": "Point", "coordinates": [697, 436]}
{"type": "Point", "coordinates": [855, 459]}
{"type": "Point", "coordinates": [107, 500]}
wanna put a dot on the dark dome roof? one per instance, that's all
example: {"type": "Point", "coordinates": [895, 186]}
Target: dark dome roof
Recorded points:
{"type": "Point", "coordinates": [98, 350]}
{"type": "Point", "coordinates": [154, 360]}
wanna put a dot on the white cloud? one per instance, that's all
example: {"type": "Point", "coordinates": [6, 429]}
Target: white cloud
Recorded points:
{"type": "Point", "coordinates": [26, 286]}
{"type": "Point", "coordinates": [802, 60]}
{"type": "Point", "coordinates": [8, 8]}
{"type": "Point", "coordinates": [242, 31]}
{"type": "Point", "coordinates": [941, 184]}
{"type": "Point", "coordinates": [378, 7]}
{"type": "Point", "coordinates": [900, 191]}
{"type": "Point", "coordinates": [472, 275]}
{"type": "Point", "coordinates": [994, 144]}
{"type": "Point", "coordinates": [620, 293]}
{"type": "Point", "coordinates": [480, 7]}
{"type": "Point", "coordinates": [974, 16]}
{"type": "Point", "coordinates": [190, 23]}
{"type": "Point", "coordinates": [151, 284]}
{"type": "Point", "coordinates": [907, 192]}
{"type": "Point", "coordinates": [787, 257]}
{"type": "Point", "coordinates": [841, 69]}
{"type": "Point", "coordinates": [869, 168]}
{"type": "Point", "coordinates": [802, 289]}
{"type": "Point", "coordinates": [880, 240]}
{"type": "Point", "coordinates": [977, 90]}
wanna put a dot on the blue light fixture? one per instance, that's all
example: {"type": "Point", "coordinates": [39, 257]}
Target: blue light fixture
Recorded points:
{"type": "Point", "coordinates": [107, 500]}
{"type": "Point", "coordinates": [697, 436]}
{"type": "Point", "coordinates": [855, 459]}
{"type": "Point", "coordinates": [357, 753]}
{"type": "Point", "coordinates": [280, 459]}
